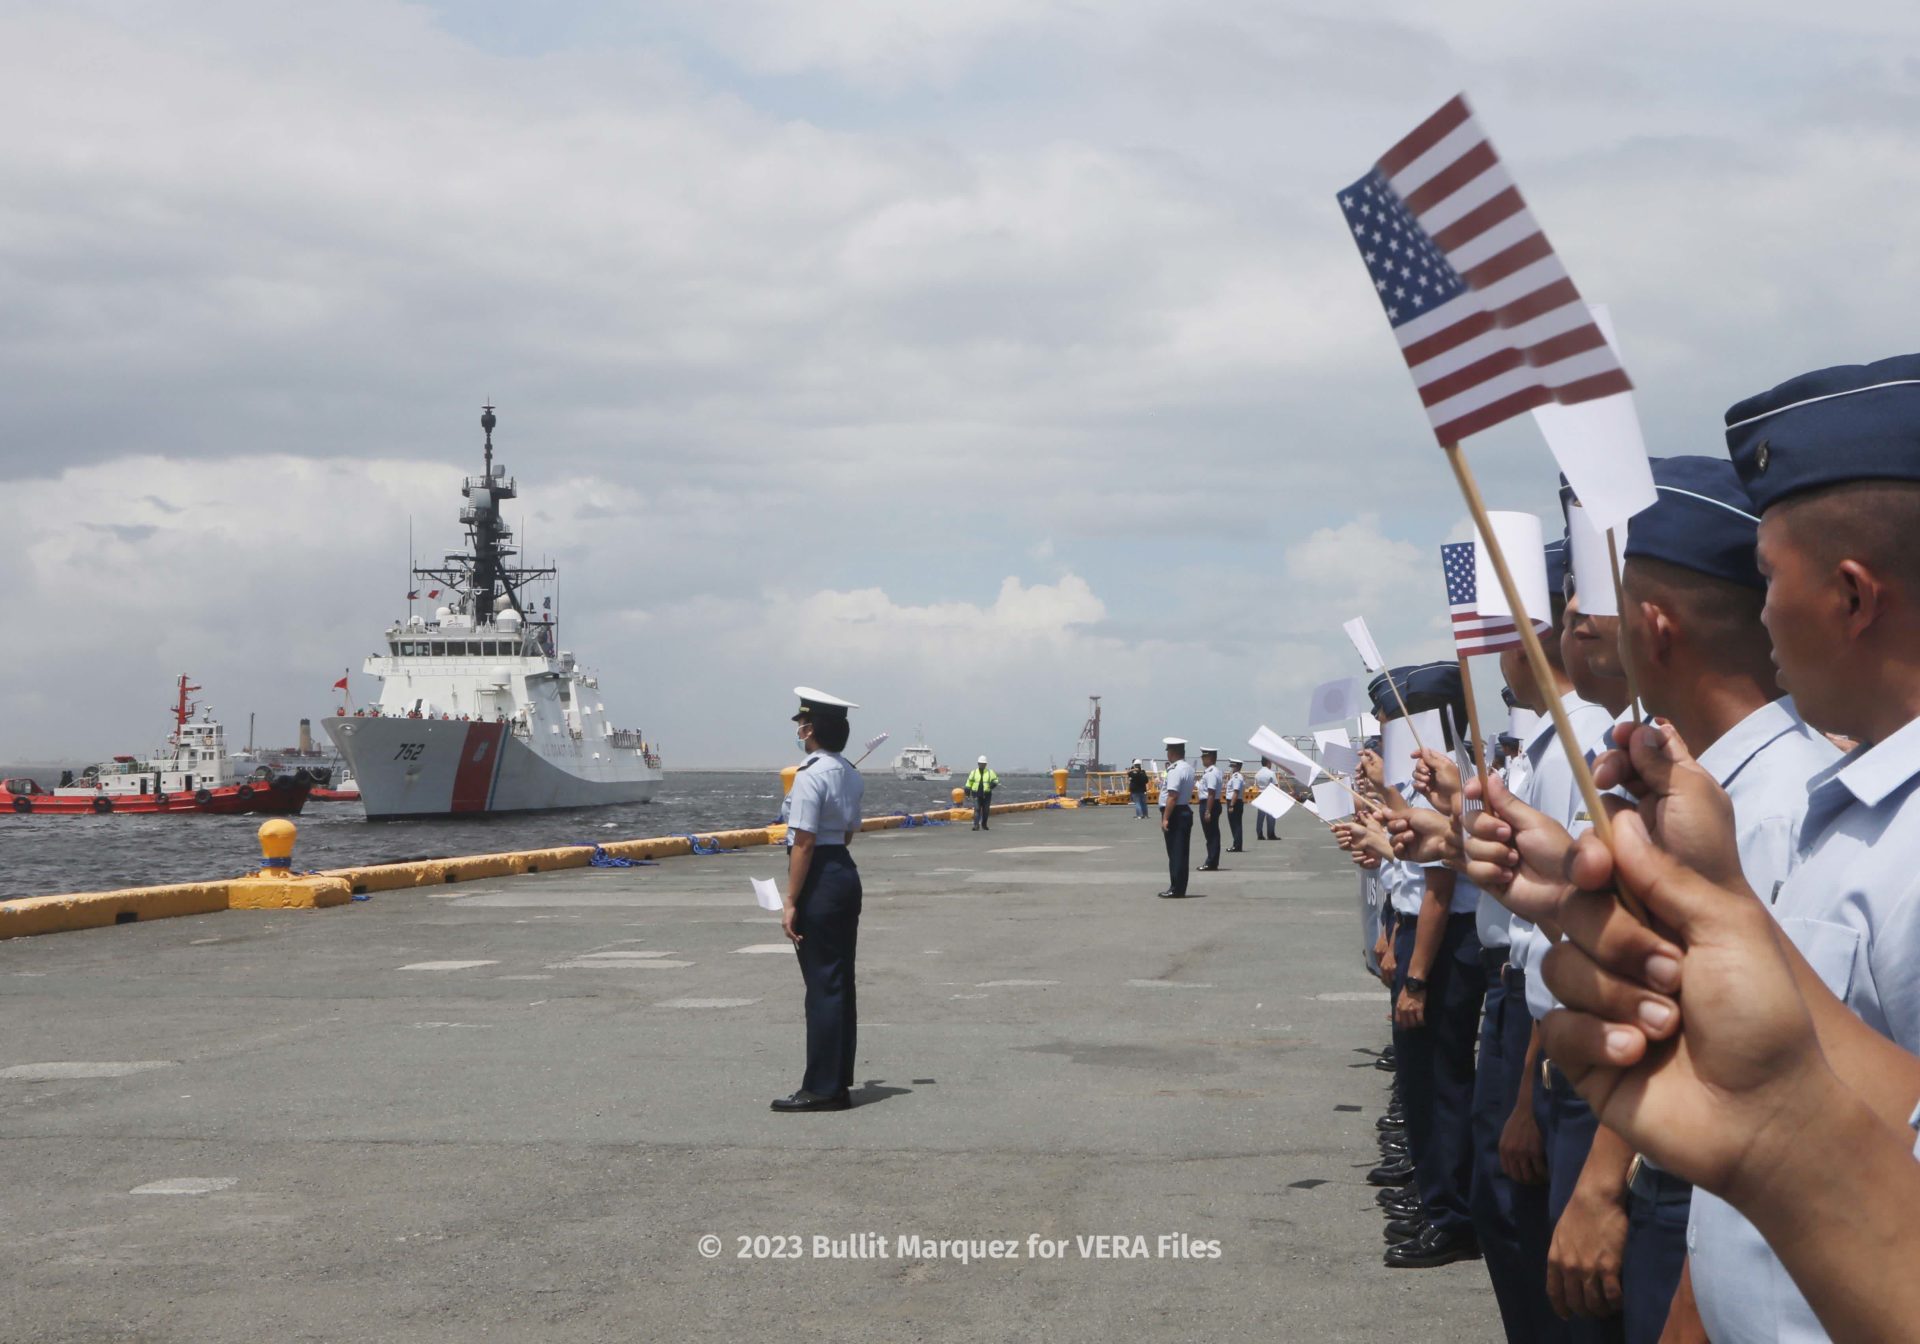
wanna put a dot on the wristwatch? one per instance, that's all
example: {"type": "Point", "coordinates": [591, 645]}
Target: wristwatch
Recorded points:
{"type": "Point", "coordinates": [1415, 983]}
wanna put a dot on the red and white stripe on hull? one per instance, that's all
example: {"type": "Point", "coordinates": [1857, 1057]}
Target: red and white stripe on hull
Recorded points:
{"type": "Point", "coordinates": [449, 767]}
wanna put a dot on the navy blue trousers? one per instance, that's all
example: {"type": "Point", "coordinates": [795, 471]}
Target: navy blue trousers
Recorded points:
{"type": "Point", "coordinates": [1234, 811]}
{"type": "Point", "coordinates": [1656, 1253]}
{"type": "Point", "coordinates": [828, 922]}
{"type": "Point", "coordinates": [1210, 828]}
{"type": "Point", "coordinates": [1179, 838]}
{"type": "Point", "coordinates": [1434, 1064]}
{"type": "Point", "coordinates": [1511, 1219]}
{"type": "Point", "coordinates": [1567, 1126]}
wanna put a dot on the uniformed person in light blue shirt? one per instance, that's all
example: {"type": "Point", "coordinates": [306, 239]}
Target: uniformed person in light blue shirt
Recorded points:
{"type": "Point", "coordinates": [822, 902]}
{"type": "Point", "coordinates": [1176, 816]}
{"type": "Point", "coordinates": [1207, 799]}
{"type": "Point", "coordinates": [1234, 794]}
{"type": "Point", "coordinates": [1692, 636]}
{"type": "Point", "coordinates": [1831, 461]}
{"type": "Point", "coordinates": [1264, 826]}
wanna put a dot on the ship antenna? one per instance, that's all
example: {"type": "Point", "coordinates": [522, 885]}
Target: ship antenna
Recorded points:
{"type": "Point", "coordinates": [487, 422]}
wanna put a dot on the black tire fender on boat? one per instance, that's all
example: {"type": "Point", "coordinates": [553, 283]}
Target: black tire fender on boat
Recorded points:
{"type": "Point", "coordinates": [21, 803]}
{"type": "Point", "coordinates": [103, 805]}
{"type": "Point", "coordinates": [244, 792]}
{"type": "Point", "coordinates": [160, 800]}
{"type": "Point", "coordinates": [202, 796]}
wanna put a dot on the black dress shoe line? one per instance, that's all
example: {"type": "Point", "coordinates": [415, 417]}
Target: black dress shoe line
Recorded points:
{"type": "Point", "coordinates": [1391, 1173]}
{"type": "Point", "coordinates": [1411, 1212]}
{"type": "Point", "coordinates": [806, 1101]}
{"type": "Point", "coordinates": [1388, 1199]}
{"type": "Point", "coordinates": [1391, 1120]}
{"type": "Point", "coordinates": [1433, 1248]}
{"type": "Point", "coordinates": [1399, 1230]}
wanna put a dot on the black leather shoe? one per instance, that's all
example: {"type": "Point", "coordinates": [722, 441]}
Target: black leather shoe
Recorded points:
{"type": "Point", "coordinates": [1433, 1248]}
{"type": "Point", "coordinates": [1171, 895]}
{"type": "Point", "coordinates": [1400, 1230]}
{"type": "Point", "coordinates": [1389, 1199]}
{"type": "Point", "coordinates": [806, 1101]}
{"type": "Point", "coordinates": [1391, 1120]}
{"type": "Point", "coordinates": [1391, 1173]}
{"type": "Point", "coordinates": [1409, 1210]}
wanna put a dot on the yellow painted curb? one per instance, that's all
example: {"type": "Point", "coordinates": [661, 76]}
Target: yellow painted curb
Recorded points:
{"type": "Point", "coordinates": [287, 893]}
{"type": "Point", "coordinates": [337, 886]}
{"type": "Point", "coordinates": [102, 909]}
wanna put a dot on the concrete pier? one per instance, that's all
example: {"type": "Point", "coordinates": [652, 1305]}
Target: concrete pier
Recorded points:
{"type": "Point", "coordinates": [513, 1108]}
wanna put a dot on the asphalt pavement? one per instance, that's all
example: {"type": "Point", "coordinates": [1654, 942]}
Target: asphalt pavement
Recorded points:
{"type": "Point", "coordinates": [528, 1108]}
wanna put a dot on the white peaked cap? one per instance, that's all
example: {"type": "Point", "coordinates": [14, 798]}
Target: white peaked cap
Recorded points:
{"type": "Point", "coordinates": [1173, 741]}
{"type": "Point", "coordinates": [821, 699]}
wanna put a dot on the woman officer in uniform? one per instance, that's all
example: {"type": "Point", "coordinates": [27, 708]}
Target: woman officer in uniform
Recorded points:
{"type": "Point", "coordinates": [822, 906]}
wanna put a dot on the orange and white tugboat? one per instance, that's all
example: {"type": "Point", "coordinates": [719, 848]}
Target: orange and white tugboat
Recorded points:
{"type": "Point", "coordinates": [193, 775]}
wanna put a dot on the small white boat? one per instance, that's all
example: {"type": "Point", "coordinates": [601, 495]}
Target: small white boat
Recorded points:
{"type": "Point", "coordinates": [920, 762]}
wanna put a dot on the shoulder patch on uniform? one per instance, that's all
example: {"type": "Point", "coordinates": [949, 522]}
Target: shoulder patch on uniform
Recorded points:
{"type": "Point", "coordinates": [807, 766]}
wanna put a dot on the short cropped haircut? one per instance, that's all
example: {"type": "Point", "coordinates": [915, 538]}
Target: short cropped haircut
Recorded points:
{"type": "Point", "coordinates": [832, 733]}
{"type": "Point", "coordinates": [1874, 522]}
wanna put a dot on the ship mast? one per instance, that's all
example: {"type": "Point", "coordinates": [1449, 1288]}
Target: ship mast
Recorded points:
{"type": "Point", "coordinates": [182, 710]}
{"type": "Point", "coordinates": [485, 576]}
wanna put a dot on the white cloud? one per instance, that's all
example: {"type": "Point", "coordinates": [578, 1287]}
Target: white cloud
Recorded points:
{"type": "Point", "coordinates": [844, 318]}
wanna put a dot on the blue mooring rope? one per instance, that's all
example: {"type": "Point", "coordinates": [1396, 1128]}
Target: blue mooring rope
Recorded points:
{"type": "Point", "coordinates": [601, 859]}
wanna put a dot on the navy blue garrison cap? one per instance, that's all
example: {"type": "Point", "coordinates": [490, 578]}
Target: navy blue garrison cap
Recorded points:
{"type": "Point", "coordinates": [1556, 568]}
{"type": "Point", "coordinates": [1702, 520]}
{"type": "Point", "coordinates": [1384, 705]}
{"type": "Point", "coordinates": [1424, 686]}
{"type": "Point", "coordinates": [1853, 422]}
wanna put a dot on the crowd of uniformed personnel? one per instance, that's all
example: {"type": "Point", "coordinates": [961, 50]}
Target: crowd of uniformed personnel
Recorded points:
{"type": "Point", "coordinates": [1665, 1088]}
{"type": "Point", "coordinates": [1699, 1126]}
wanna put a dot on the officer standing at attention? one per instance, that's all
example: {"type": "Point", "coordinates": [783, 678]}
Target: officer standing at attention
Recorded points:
{"type": "Point", "coordinates": [981, 784]}
{"type": "Point", "coordinates": [1176, 816]}
{"type": "Point", "coordinates": [822, 906]}
{"type": "Point", "coordinates": [1209, 794]}
{"type": "Point", "coordinates": [1265, 827]}
{"type": "Point", "coordinates": [1236, 804]}
{"type": "Point", "coordinates": [1137, 787]}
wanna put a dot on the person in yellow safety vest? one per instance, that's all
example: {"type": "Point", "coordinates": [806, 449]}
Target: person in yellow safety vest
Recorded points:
{"type": "Point", "coordinates": [980, 786]}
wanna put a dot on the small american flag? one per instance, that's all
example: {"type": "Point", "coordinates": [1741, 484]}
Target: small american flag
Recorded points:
{"type": "Point", "coordinates": [1472, 632]}
{"type": "Point", "coordinates": [1487, 319]}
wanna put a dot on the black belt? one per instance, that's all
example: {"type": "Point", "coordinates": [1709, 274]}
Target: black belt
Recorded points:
{"type": "Point", "coordinates": [1493, 960]}
{"type": "Point", "coordinates": [1180, 807]}
{"type": "Point", "coordinates": [1647, 1182]}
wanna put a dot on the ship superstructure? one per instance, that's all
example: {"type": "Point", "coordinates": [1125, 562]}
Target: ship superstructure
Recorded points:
{"type": "Point", "coordinates": [480, 710]}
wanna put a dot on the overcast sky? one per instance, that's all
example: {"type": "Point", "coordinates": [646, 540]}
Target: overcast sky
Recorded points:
{"type": "Point", "coordinates": [963, 358]}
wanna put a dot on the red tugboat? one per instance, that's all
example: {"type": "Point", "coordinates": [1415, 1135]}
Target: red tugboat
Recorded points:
{"type": "Point", "coordinates": [193, 776]}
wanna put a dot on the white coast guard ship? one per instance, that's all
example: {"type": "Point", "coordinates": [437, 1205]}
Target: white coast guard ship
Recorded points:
{"type": "Point", "coordinates": [480, 710]}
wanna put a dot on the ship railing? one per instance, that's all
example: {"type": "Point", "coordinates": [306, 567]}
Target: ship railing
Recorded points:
{"type": "Point", "coordinates": [626, 737]}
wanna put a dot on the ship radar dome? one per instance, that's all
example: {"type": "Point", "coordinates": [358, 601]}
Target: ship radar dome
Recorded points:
{"type": "Point", "coordinates": [508, 620]}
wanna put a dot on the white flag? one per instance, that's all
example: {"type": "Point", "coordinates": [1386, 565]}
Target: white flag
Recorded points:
{"type": "Point", "coordinates": [1332, 801]}
{"type": "Point", "coordinates": [1363, 643]}
{"type": "Point", "coordinates": [1397, 744]}
{"type": "Point", "coordinates": [1600, 447]}
{"type": "Point", "coordinates": [1339, 758]}
{"type": "Point", "coordinates": [1592, 562]}
{"type": "Point", "coordinates": [1276, 748]}
{"type": "Point", "coordinates": [1275, 801]}
{"type": "Point", "coordinates": [1335, 702]}
{"type": "Point", "coordinates": [766, 893]}
{"type": "Point", "coordinates": [1520, 541]}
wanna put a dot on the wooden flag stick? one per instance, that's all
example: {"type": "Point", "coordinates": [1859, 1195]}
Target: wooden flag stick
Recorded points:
{"type": "Point", "coordinates": [1479, 752]}
{"type": "Point", "coordinates": [1626, 635]}
{"type": "Point", "coordinates": [1537, 660]}
{"type": "Point", "coordinates": [1406, 714]}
